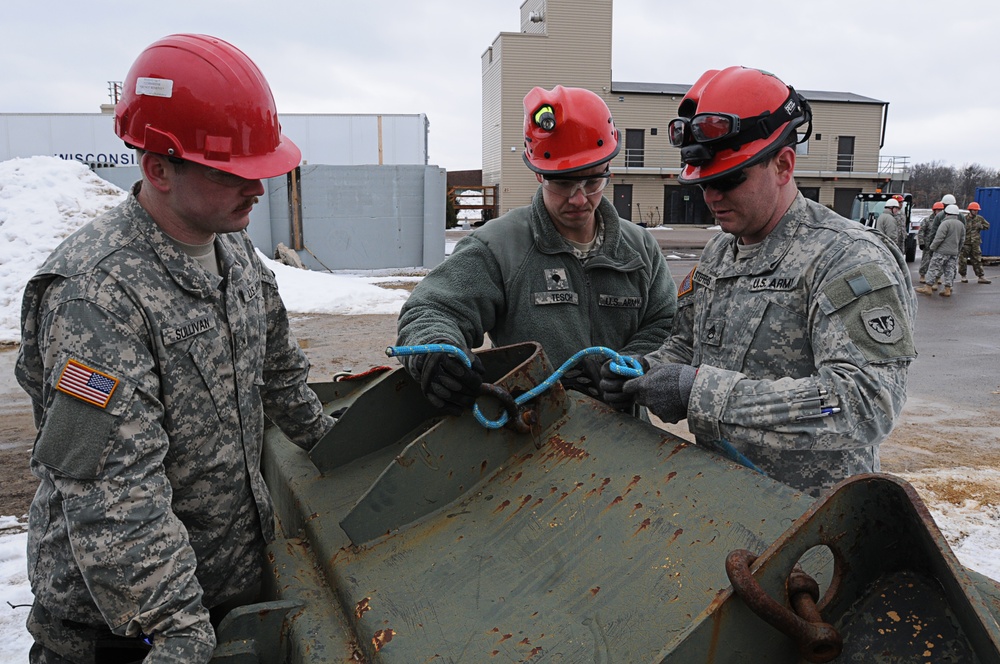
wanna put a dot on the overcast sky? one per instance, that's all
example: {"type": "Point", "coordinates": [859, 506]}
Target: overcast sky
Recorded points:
{"type": "Point", "coordinates": [934, 62]}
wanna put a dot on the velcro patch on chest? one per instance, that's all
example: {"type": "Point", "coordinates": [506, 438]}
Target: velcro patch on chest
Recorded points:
{"type": "Point", "coordinates": [555, 298]}
{"type": "Point", "coordinates": [188, 329]}
{"type": "Point", "coordinates": [773, 283]}
{"type": "Point", "coordinates": [881, 325]}
{"type": "Point", "coordinates": [556, 280]}
{"type": "Point", "coordinates": [621, 301]}
{"type": "Point", "coordinates": [87, 384]}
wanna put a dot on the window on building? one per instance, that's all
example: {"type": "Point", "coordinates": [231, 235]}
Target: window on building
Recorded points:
{"type": "Point", "coordinates": [635, 147]}
{"type": "Point", "coordinates": [802, 147]}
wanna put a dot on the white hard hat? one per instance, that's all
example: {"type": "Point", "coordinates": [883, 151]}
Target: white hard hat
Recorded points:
{"type": "Point", "coordinates": [892, 202]}
{"type": "Point", "coordinates": [948, 199]}
{"type": "Point", "coordinates": [951, 209]}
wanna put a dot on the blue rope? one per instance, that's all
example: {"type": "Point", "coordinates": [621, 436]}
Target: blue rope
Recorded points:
{"type": "Point", "coordinates": [623, 365]}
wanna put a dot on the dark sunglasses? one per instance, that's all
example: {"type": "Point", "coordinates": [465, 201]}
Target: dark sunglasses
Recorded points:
{"type": "Point", "coordinates": [726, 183]}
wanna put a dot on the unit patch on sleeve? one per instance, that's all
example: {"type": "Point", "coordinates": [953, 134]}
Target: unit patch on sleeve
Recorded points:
{"type": "Point", "coordinates": [881, 325]}
{"type": "Point", "coordinates": [86, 384]}
{"type": "Point", "coordinates": [687, 283]}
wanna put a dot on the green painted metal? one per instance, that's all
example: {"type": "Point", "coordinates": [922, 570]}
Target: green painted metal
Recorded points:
{"type": "Point", "coordinates": [407, 536]}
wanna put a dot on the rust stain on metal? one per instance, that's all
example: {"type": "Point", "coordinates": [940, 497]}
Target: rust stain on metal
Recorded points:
{"type": "Point", "coordinates": [642, 526]}
{"type": "Point", "coordinates": [502, 506]}
{"type": "Point", "coordinates": [314, 515]}
{"type": "Point", "coordinates": [599, 490]}
{"type": "Point", "coordinates": [562, 496]}
{"type": "Point", "coordinates": [483, 466]}
{"type": "Point", "coordinates": [534, 651]}
{"type": "Point", "coordinates": [595, 590]}
{"type": "Point", "coordinates": [671, 475]}
{"type": "Point", "coordinates": [403, 461]}
{"type": "Point", "coordinates": [617, 500]}
{"type": "Point", "coordinates": [524, 642]}
{"type": "Point", "coordinates": [677, 533]}
{"type": "Point", "coordinates": [363, 607]}
{"type": "Point", "coordinates": [636, 507]}
{"type": "Point", "coordinates": [562, 447]}
{"type": "Point", "coordinates": [631, 485]}
{"type": "Point", "coordinates": [382, 637]}
{"type": "Point", "coordinates": [505, 637]}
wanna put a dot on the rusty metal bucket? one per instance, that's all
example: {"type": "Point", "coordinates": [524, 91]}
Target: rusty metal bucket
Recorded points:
{"type": "Point", "coordinates": [407, 536]}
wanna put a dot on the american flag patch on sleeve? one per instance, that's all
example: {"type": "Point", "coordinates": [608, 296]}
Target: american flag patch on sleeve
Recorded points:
{"type": "Point", "coordinates": [90, 385]}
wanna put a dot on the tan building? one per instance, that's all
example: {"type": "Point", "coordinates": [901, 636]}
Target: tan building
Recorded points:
{"type": "Point", "coordinates": [840, 159]}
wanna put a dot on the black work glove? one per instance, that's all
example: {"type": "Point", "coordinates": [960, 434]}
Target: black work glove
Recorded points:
{"type": "Point", "coordinates": [665, 389]}
{"type": "Point", "coordinates": [585, 376]}
{"type": "Point", "coordinates": [445, 380]}
{"type": "Point", "coordinates": [921, 247]}
{"type": "Point", "coordinates": [612, 386]}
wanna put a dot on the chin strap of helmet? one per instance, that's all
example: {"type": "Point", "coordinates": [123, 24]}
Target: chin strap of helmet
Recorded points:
{"type": "Point", "coordinates": [753, 129]}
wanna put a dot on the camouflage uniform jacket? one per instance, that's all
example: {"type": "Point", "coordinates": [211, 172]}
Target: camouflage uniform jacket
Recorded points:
{"type": "Point", "coordinates": [150, 378]}
{"type": "Point", "coordinates": [974, 226]}
{"type": "Point", "coordinates": [817, 316]}
{"type": "Point", "coordinates": [518, 280]}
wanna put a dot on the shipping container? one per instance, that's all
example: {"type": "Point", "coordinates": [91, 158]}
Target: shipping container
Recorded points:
{"type": "Point", "coordinates": [989, 200]}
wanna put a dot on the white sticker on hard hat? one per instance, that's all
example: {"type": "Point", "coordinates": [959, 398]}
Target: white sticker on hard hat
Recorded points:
{"type": "Point", "coordinates": [154, 87]}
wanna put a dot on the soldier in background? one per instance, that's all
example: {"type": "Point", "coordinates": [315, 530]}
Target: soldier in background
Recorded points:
{"type": "Point", "coordinates": [154, 342]}
{"type": "Point", "coordinates": [972, 251]}
{"type": "Point", "coordinates": [928, 227]}
{"type": "Point", "coordinates": [948, 241]}
{"type": "Point", "coordinates": [793, 334]}
{"type": "Point", "coordinates": [889, 222]}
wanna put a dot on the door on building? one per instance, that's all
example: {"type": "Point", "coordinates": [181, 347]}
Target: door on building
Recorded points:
{"type": "Point", "coordinates": [843, 201]}
{"type": "Point", "coordinates": [845, 153]}
{"type": "Point", "coordinates": [623, 200]}
{"type": "Point", "coordinates": [684, 205]}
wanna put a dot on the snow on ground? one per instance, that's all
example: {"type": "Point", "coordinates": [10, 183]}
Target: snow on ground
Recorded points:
{"type": "Point", "coordinates": [44, 199]}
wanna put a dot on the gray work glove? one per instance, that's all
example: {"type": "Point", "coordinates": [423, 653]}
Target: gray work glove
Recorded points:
{"type": "Point", "coordinates": [665, 389]}
{"type": "Point", "coordinates": [612, 385]}
{"type": "Point", "coordinates": [585, 376]}
{"type": "Point", "coordinates": [445, 380]}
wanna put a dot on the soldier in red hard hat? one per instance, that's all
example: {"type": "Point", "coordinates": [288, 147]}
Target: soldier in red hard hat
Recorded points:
{"type": "Point", "coordinates": [794, 332]}
{"type": "Point", "coordinates": [564, 271]}
{"type": "Point", "coordinates": [154, 342]}
{"type": "Point", "coordinates": [972, 251]}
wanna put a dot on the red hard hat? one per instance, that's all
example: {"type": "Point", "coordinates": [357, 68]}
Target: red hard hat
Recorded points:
{"type": "Point", "coordinates": [768, 111]}
{"type": "Point", "coordinates": [567, 130]}
{"type": "Point", "coordinates": [201, 99]}
{"type": "Point", "coordinates": [938, 206]}
{"type": "Point", "coordinates": [974, 206]}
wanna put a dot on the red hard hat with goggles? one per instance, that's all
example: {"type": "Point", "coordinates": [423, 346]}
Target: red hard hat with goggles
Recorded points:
{"type": "Point", "coordinates": [734, 118]}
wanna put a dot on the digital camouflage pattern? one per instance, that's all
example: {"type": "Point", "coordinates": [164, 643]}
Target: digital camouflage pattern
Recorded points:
{"type": "Point", "coordinates": [802, 344]}
{"type": "Point", "coordinates": [972, 251]}
{"type": "Point", "coordinates": [152, 509]}
{"type": "Point", "coordinates": [517, 279]}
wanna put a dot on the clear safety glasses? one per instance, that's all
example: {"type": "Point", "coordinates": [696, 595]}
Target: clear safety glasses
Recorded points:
{"type": "Point", "coordinates": [568, 186]}
{"type": "Point", "coordinates": [704, 128]}
{"type": "Point", "coordinates": [224, 178]}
